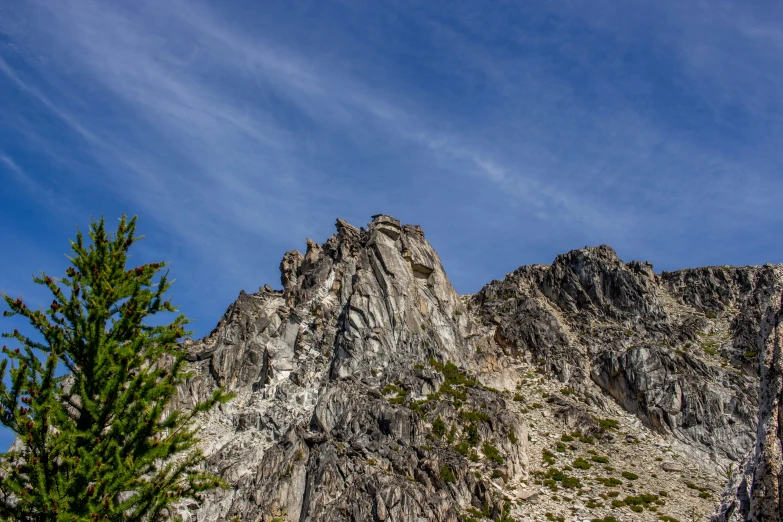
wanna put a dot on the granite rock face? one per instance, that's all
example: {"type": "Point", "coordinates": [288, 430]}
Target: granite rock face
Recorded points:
{"type": "Point", "coordinates": [755, 492]}
{"type": "Point", "coordinates": [342, 382]}
{"type": "Point", "coordinates": [367, 389]}
{"type": "Point", "coordinates": [675, 349]}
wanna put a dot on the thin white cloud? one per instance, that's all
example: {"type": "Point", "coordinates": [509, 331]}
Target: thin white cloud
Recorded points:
{"type": "Point", "coordinates": [215, 128]}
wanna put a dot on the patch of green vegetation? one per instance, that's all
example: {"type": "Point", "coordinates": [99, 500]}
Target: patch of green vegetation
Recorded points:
{"type": "Point", "coordinates": [666, 518]}
{"type": "Point", "coordinates": [453, 375]}
{"type": "Point", "coordinates": [418, 366]}
{"type": "Point", "coordinates": [751, 354]}
{"type": "Point", "coordinates": [571, 483]}
{"type": "Point", "coordinates": [566, 438]}
{"type": "Point", "coordinates": [492, 453]}
{"type": "Point", "coordinates": [581, 463]}
{"type": "Point", "coordinates": [609, 482]}
{"type": "Point", "coordinates": [560, 447]}
{"type": "Point", "coordinates": [599, 459]}
{"type": "Point", "coordinates": [710, 347]}
{"type": "Point", "coordinates": [567, 391]}
{"type": "Point", "coordinates": [586, 440]}
{"type": "Point", "coordinates": [518, 397]}
{"type": "Point", "coordinates": [512, 436]}
{"type": "Point", "coordinates": [391, 388]}
{"type": "Point", "coordinates": [607, 518]}
{"type": "Point", "coordinates": [446, 475]}
{"type": "Point", "coordinates": [549, 457]}
{"type": "Point", "coordinates": [608, 424]}
{"type": "Point", "coordinates": [439, 427]}
{"type": "Point", "coordinates": [474, 416]}
{"type": "Point", "coordinates": [418, 406]}
{"type": "Point", "coordinates": [472, 434]}
{"type": "Point", "coordinates": [463, 448]}
{"type": "Point", "coordinates": [554, 518]}
{"type": "Point", "coordinates": [555, 474]}
{"type": "Point", "coordinates": [457, 394]}
{"type": "Point", "coordinates": [630, 476]}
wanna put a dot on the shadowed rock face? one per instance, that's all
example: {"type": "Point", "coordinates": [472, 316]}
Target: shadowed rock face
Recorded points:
{"type": "Point", "coordinates": [359, 392]}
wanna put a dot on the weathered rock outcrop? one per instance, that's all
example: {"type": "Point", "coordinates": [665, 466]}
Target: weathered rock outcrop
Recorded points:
{"type": "Point", "coordinates": [348, 387]}
{"type": "Point", "coordinates": [671, 348]}
{"type": "Point", "coordinates": [367, 389]}
{"type": "Point", "coordinates": [755, 491]}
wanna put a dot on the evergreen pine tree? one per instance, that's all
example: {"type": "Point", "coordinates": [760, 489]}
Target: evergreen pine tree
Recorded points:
{"type": "Point", "coordinates": [89, 394]}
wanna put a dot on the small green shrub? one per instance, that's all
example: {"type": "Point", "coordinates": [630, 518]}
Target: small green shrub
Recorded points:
{"type": "Point", "coordinates": [549, 457]}
{"type": "Point", "coordinates": [463, 448]}
{"type": "Point", "coordinates": [581, 463]}
{"type": "Point", "coordinates": [608, 424]}
{"type": "Point", "coordinates": [457, 394]}
{"type": "Point", "coordinates": [492, 453]}
{"type": "Point", "coordinates": [446, 475]}
{"type": "Point", "coordinates": [472, 434]}
{"type": "Point", "coordinates": [630, 476]}
{"type": "Point", "coordinates": [439, 427]}
{"type": "Point", "coordinates": [599, 459]}
{"type": "Point", "coordinates": [474, 416]}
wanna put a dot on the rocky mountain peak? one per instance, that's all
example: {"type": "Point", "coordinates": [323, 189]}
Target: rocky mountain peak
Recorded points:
{"type": "Point", "coordinates": [367, 389]}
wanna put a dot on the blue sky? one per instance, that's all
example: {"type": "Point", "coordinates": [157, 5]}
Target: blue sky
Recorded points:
{"type": "Point", "coordinates": [511, 131]}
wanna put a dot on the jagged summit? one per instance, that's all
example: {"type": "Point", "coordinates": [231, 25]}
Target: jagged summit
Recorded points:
{"type": "Point", "coordinates": [367, 389]}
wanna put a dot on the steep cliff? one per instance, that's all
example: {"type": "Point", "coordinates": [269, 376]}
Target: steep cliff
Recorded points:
{"type": "Point", "coordinates": [367, 389]}
{"type": "Point", "coordinates": [755, 491]}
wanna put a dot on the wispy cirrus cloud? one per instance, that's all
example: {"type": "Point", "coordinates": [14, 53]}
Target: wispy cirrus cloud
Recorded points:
{"type": "Point", "coordinates": [240, 130]}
